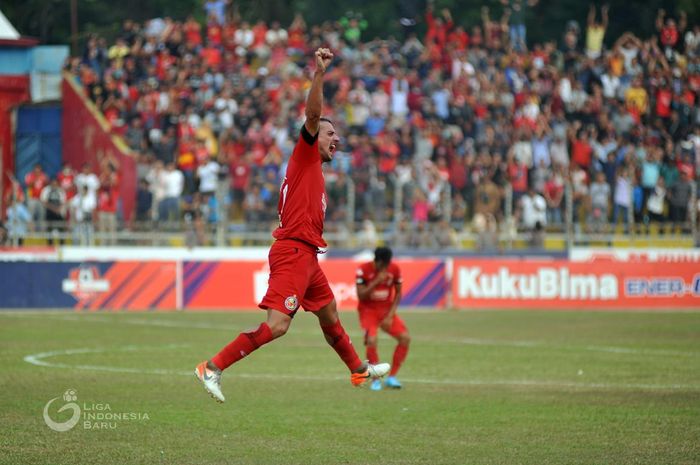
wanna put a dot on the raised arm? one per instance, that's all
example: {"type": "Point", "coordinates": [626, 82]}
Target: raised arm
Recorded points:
{"type": "Point", "coordinates": [314, 102]}
{"type": "Point", "coordinates": [604, 15]}
{"type": "Point", "coordinates": [660, 19]}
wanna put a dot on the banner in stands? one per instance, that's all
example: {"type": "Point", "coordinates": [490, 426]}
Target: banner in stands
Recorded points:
{"type": "Point", "coordinates": [564, 285]}
{"type": "Point", "coordinates": [241, 285]}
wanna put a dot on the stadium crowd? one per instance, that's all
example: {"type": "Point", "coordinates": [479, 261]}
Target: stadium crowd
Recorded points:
{"type": "Point", "coordinates": [450, 121]}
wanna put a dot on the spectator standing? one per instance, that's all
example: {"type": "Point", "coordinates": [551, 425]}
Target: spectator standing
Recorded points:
{"type": "Point", "coordinates": [600, 201]}
{"type": "Point", "coordinates": [66, 180]}
{"type": "Point", "coordinates": [518, 30]}
{"type": "Point", "coordinates": [54, 201]}
{"type": "Point", "coordinates": [554, 196]}
{"type": "Point", "coordinates": [579, 186]}
{"type": "Point", "coordinates": [208, 175]}
{"type": "Point", "coordinates": [656, 204]}
{"type": "Point", "coordinates": [35, 181]}
{"type": "Point", "coordinates": [518, 177]}
{"type": "Point", "coordinates": [19, 220]}
{"type": "Point", "coordinates": [595, 32]}
{"type": "Point", "coordinates": [87, 179]}
{"type": "Point", "coordinates": [650, 173]}
{"type": "Point", "coordinates": [173, 184]}
{"type": "Point", "coordinates": [107, 214]}
{"type": "Point", "coordinates": [82, 208]}
{"type": "Point", "coordinates": [144, 202]}
{"type": "Point", "coordinates": [216, 9]}
{"type": "Point", "coordinates": [679, 198]}
{"type": "Point", "coordinates": [534, 210]}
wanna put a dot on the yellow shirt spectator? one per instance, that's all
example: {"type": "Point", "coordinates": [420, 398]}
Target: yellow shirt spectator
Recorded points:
{"type": "Point", "coordinates": [637, 98]}
{"type": "Point", "coordinates": [594, 40]}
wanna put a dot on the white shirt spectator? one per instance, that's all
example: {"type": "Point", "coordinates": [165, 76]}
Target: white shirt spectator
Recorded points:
{"type": "Point", "coordinates": [522, 150]}
{"type": "Point", "coordinates": [243, 38]}
{"type": "Point", "coordinates": [275, 36]}
{"type": "Point", "coordinates": [174, 181]}
{"type": "Point", "coordinates": [623, 192]}
{"type": "Point", "coordinates": [156, 180]}
{"type": "Point", "coordinates": [565, 89]}
{"type": "Point", "coordinates": [534, 210]}
{"type": "Point", "coordinates": [91, 181]}
{"type": "Point", "coordinates": [399, 97]}
{"type": "Point", "coordinates": [82, 207]}
{"type": "Point", "coordinates": [611, 85]}
{"type": "Point", "coordinates": [208, 175]}
{"type": "Point", "coordinates": [461, 66]}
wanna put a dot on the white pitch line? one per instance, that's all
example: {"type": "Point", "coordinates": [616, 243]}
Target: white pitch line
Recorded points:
{"type": "Point", "coordinates": [446, 340]}
{"type": "Point", "coordinates": [39, 359]}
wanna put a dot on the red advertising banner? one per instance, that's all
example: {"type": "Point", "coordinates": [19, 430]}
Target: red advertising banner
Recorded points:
{"type": "Point", "coordinates": [241, 285]}
{"type": "Point", "coordinates": [86, 138]}
{"type": "Point", "coordinates": [565, 285]}
{"type": "Point", "coordinates": [132, 286]}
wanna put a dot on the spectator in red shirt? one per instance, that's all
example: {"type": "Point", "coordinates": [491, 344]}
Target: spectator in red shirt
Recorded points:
{"type": "Point", "coordinates": [438, 28]}
{"type": "Point", "coordinates": [581, 149]}
{"type": "Point", "coordinates": [669, 32]}
{"type": "Point", "coordinates": [518, 177]}
{"type": "Point", "coordinates": [214, 31]}
{"type": "Point", "coordinates": [35, 181]}
{"type": "Point", "coordinates": [66, 180]}
{"type": "Point", "coordinates": [240, 169]}
{"type": "Point", "coordinates": [193, 31]}
{"type": "Point", "coordinates": [107, 199]}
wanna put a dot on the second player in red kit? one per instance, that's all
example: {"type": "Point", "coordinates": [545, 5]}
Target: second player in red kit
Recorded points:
{"type": "Point", "coordinates": [379, 294]}
{"type": "Point", "coordinates": [296, 279]}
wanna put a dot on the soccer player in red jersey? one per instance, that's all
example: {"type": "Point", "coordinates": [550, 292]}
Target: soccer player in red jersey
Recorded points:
{"type": "Point", "coordinates": [379, 294]}
{"type": "Point", "coordinates": [296, 280]}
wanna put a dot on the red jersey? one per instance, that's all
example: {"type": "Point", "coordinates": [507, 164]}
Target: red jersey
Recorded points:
{"type": "Point", "coordinates": [35, 183]}
{"type": "Point", "coordinates": [383, 295]}
{"type": "Point", "coordinates": [302, 202]}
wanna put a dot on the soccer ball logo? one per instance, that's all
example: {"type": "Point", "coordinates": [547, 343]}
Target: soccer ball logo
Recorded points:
{"type": "Point", "coordinates": [70, 395]}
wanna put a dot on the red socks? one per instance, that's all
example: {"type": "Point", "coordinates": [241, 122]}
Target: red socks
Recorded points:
{"type": "Point", "coordinates": [372, 355]}
{"type": "Point", "coordinates": [247, 342]}
{"type": "Point", "coordinates": [243, 345]}
{"type": "Point", "coordinates": [399, 356]}
{"type": "Point", "coordinates": [340, 341]}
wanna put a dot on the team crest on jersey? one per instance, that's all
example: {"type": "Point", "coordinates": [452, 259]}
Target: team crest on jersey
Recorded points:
{"type": "Point", "coordinates": [291, 303]}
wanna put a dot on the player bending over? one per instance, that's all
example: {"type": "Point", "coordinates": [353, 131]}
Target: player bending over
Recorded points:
{"type": "Point", "coordinates": [296, 280]}
{"type": "Point", "coordinates": [379, 294]}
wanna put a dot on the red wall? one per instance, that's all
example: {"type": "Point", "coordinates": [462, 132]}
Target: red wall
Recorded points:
{"type": "Point", "coordinates": [86, 137]}
{"type": "Point", "coordinates": [14, 90]}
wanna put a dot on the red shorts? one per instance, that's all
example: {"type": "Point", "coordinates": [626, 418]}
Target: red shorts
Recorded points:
{"type": "Point", "coordinates": [371, 321]}
{"type": "Point", "coordinates": [296, 279]}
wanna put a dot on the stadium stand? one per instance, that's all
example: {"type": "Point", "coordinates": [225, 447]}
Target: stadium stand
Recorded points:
{"type": "Point", "coordinates": [462, 130]}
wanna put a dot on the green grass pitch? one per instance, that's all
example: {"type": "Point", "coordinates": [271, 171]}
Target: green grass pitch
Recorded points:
{"type": "Point", "coordinates": [481, 387]}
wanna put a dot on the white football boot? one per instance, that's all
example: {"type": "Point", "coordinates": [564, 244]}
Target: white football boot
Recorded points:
{"type": "Point", "coordinates": [371, 372]}
{"type": "Point", "coordinates": [211, 379]}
